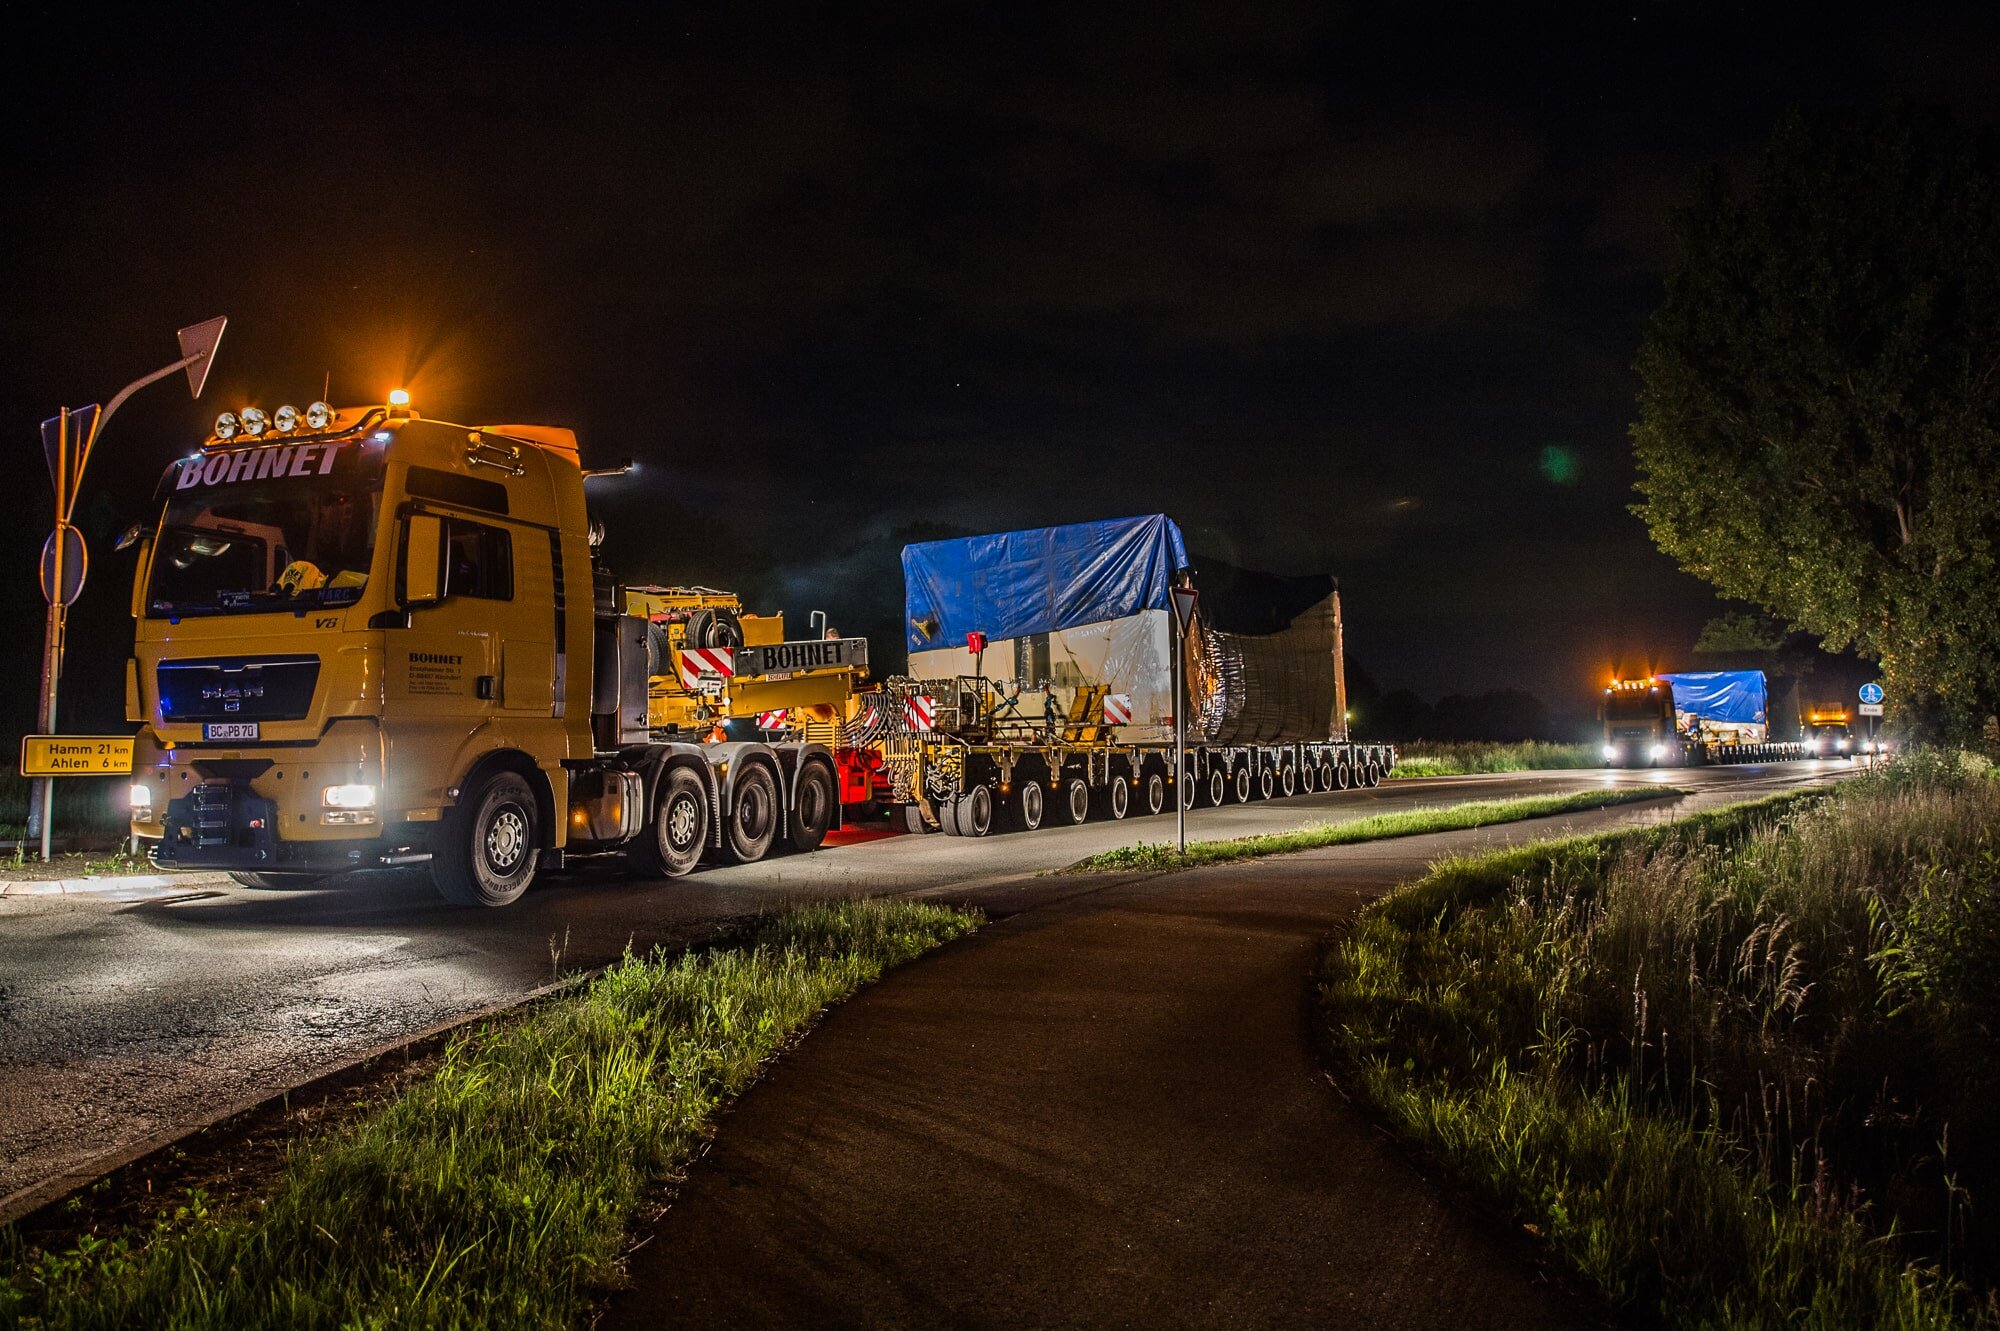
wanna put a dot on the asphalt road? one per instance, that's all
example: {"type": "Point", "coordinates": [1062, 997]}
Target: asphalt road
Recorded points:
{"type": "Point", "coordinates": [121, 1021]}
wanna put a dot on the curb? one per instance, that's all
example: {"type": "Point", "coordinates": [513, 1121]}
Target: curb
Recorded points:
{"type": "Point", "coordinates": [130, 887]}
{"type": "Point", "coordinates": [24, 1202]}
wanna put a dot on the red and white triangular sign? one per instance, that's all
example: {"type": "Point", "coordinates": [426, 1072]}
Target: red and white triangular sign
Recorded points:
{"type": "Point", "coordinates": [198, 343]}
{"type": "Point", "coordinates": [1183, 607]}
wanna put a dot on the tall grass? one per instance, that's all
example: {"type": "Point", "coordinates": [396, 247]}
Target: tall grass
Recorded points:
{"type": "Point", "coordinates": [1409, 822]}
{"type": "Point", "coordinates": [1739, 1071]}
{"type": "Point", "coordinates": [497, 1191]}
{"type": "Point", "coordinates": [1429, 758]}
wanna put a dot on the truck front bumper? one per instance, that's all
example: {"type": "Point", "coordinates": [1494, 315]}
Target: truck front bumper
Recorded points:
{"type": "Point", "coordinates": [227, 825]}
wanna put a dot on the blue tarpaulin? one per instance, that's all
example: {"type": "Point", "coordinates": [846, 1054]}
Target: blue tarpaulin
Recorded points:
{"type": "Point", "coordinates": [1015, 583]}
{"type": "Point", "coordinates": [1732, 696]}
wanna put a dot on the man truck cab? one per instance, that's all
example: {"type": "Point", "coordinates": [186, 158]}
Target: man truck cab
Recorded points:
{"type": "Point", "coordinates": [364, 638]}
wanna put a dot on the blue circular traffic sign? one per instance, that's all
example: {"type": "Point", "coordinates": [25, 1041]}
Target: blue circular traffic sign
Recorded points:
{"type": "Point", "coordinates": [1871, 693]}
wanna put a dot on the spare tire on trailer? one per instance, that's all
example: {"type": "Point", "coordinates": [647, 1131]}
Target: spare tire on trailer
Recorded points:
{"type": "Point", "coordinates": [714, 628]}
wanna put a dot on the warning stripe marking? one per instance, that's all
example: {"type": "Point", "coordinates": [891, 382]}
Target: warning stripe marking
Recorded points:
{"type": "Point", "coordinates": [920, 710]}
{"type": "Point", "coordinates": [772, 720]}
{"type": "Point", "coordinates": [697, 661]}
{"type": "Point", "coordinates": [1118, 709]}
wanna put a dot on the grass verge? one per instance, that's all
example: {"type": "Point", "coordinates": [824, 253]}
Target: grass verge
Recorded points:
{"type": "Point", "coordinates": [1415, 822]}
{"type": "Point", "coordinates": [1427, 758]}
{"type": "Point", "coordinates": [1738, 1071]}
{"type": "Point", "coordinates": [496, 1192]}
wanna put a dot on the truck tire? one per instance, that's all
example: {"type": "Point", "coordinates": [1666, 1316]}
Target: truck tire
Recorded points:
{"type": "Point", "coordinates": [1371, 775]}
{"type": "Point", "coordinates": [1267, 783]}
{"type": "Point", "coordinates": [1288, 781]}
{"type": "Point", "coordinates": [674, 837]}
{"type": "Point", "coordinates": [947, 813]}
{"type": "Point", "coordinates": [1074, 806]}
{"type": "Point", "coordinates": [1152, 794]}
{"type": "Point", "coordinates": [275, 882]}
{"type": "Point", "coordinates": [975, 812]}
{"type": "Point", "coordinates": [1115, 799]}
{"type": "Point", "coordinates": [1308, 778]}
{"type": "Point", "coordinates": [1343, 775]}
{"type": "Point", "coordinates": [1241, 785]}
{"type": "Point", "coordinates": [1030, 805]}
{"type": "Point", "coordinates": [1190, 793]}
{"type": "Point", "coordinates": [488, 844]}
{"type": "Point", "coordinates": [751, 824]}
{"type": "Point", "coordinates": [812, 807]}
{"type": "Point", "coordinates": [1218, 786]}
{"type": "Point", "coordinates": [913, 820]}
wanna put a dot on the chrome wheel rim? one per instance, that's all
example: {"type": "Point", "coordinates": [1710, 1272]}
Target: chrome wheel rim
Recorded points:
{"type": "Point", "coordinates": [506, 840]}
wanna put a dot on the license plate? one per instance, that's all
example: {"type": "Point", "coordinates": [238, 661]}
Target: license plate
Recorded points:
{"type": "Point", "coordinates": [215, 730]}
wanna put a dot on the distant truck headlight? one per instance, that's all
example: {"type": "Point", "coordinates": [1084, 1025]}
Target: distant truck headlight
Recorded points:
{"type": "Point", "coordinates": [142, 797]}
{"type": "Point", "coordinates": [1610, 753]}
{"type": "Point", "coordinates": [349, 797]}
{"type": "Point", "coordinates": [1812, 746]}
{"type": "Point", "coordinates": [1841, 745]}
{"type": "Point", "coordinates": [1657, 752]}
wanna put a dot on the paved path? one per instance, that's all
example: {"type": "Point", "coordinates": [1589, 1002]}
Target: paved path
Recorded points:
{"type": "Point", "coordinates": [1104, 1111]}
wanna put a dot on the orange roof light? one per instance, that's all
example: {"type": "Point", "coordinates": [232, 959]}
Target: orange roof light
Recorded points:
{"type": "Point", "coordinates": [399, 397]}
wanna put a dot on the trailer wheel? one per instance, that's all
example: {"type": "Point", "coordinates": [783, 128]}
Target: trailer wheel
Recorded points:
{"type": "Point", "coordinates": [1029, 805]}
{"type": "Point", "coordinates": [1075, 799]}
{"type": "Point", "coordinates": [751, 824]}
{"type": "Point", "coordinates": [913, 820]}
{"type": "Point", "coordinates": [1267, 782]}
{"type": "Point", "coordinates": [1243, 785]}
{"type": "Point", "coordinates": [1190, 793]}
{"type": "Point", "coordinates": [812, 807]}
{"type": "Point", "coordinates": [1153, 793]}
{"type": "Point", "coordinates": [1288, 781]}
{"type": "Point", "coordinates": [947, 814]}
{"type": "Point", "coordinates": [974, 812]}
{"type": "Point", "coordinates": [488, 851]}
{"type": "Point", "coordinates": [1116, 799]}
{"type": "Point", "coordinates": [1371, 775]}
{"type": "Point", "coordinates": [1343, 775]}
{"type": "Point", "coordinates": [672, 842]}
{"type": "Point", "coordinates": [1308, 778]}
{"type": "Point", "coordinates": [1218, 783]}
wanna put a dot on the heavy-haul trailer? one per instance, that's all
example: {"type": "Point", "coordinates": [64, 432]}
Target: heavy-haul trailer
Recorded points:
{"type": "Point", "coordinates": [1709, 716]}
{"type": "Point", "coordinates": [1040, 688]}
{"type": "Point", "coordinates": [364, 638]}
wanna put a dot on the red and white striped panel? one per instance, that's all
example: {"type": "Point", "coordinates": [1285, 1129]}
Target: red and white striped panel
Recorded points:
{"type": "Point", "coordinates": [772, 720]}
{"type": "Point", "coordinates": [920, 710]}
{"type": "Point", "coordinates": [1117, 709]}
{"type": "Point", "coordinates": [696, 661]}
{"type": "Point", "coordinates": [872, 717]}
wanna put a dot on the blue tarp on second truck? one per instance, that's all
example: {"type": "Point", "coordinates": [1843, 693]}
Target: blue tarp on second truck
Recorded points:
{"type": "Point", "coordinates": [1733, 697]}
{"type": "Point", "coordinates": [1016, 583]}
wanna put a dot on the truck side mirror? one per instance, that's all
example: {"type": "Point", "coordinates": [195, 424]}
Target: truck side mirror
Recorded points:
{"type": "Point", "coordinates": [422, 574]}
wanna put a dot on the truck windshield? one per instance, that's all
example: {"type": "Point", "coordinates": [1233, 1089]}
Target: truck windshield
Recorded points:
{"type": "Point", "coordinates": [282, 527]}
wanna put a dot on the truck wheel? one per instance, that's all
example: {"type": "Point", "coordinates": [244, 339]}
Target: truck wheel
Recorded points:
{"type": "Point", "coordinates": [275, 882]}
{"type": "Point", "coordinates": [1288, 781]}
{"type": "Point", "coordinates": [1075, 800]}
{"type": "Point", "coordinates": [1153, 793]}
{"type": "Point", "coordinates": [1343, 775]}
{"type": "Point", "coordinates": [1242, 785]}
{"type": "Point", "coordinates": [975, 811]}
{"type": "Point", "coordinates": [488, 851]}
{"type": "Point", "coordinates": [1267, 782]}
{"type": "Point", "coordinates": [1116, 799]}
{"type": "Point", "coordinates": [1308, 778]}
{"type": "Point", "coordinates": [1029, 805]}
{"type": "Point", "coordinates": [1371, 775]}
{"type": "Point", "coordinates": [1218, 784]}
{"type": "Point", "coordinates": [752, 821]}
{"type": "Point", "coordinates": [947, 814]}
{"type": "Point", "coordinates": [913, 820]}
{"type": "Point", "coordinates": [812, 807]}
{"type": "Point", "coordinates": [673, 839]}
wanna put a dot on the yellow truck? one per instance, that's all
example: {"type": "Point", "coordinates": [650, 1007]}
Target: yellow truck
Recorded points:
{"type": "Point", "coordinates": [364, 638]}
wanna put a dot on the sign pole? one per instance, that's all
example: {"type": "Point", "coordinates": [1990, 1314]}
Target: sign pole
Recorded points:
{"type": "Point", "coordinates": [1182, 604]}
{"type": "Point", "coordinates": [52, 635]}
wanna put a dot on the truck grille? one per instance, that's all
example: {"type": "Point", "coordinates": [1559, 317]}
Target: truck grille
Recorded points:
{"type": "Point", "coordinates": [238, 688]}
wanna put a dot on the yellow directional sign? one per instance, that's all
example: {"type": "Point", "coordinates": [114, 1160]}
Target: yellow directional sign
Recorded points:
{"type": "Point", "coordinates": [76, 755]}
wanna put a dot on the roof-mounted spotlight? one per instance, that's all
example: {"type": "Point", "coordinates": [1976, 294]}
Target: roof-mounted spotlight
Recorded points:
{"type": "Point", "coordinates": [255, 422]}
{"type": "Point", "coordinates": [399, 404]}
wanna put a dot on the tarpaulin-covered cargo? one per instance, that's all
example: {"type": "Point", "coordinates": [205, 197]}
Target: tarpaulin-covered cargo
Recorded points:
{"type": "Point", "coordinates": [1733, 699]}
{"type": "Point", "coordinates": [1087, 604]}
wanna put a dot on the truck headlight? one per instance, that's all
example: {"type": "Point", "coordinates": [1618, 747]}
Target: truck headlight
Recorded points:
{"type": "Point", "coordinates": [1658, 752]}
{"type": "Point", "coordinates": [142, 797]}
{"type": "Point", "coordinates": [1812, 746]}
{"type": "Point", "coordinates": [349, 797]}
{"type": "Point", "coordinates": [1610, 752]}
{"type": "Point", "coordinates": [1840, 744]}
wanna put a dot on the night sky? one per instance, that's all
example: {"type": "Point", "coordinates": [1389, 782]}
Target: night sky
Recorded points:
{"type": "Point", "coordinates": [1342, 289]}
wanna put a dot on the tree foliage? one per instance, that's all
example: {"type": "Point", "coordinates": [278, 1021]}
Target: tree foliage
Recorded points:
{"type": "Point", "coordinates": [1819, 419]}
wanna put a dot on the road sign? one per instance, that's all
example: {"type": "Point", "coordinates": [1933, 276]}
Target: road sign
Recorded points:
{"type": "Point", "coordinates": [1183, 598]}
{"type": "Point", "coordinates": [76, 755]}
{"type": "Point", "coordinates": [1873, 695]}
{"type": "Point", "coordinates": [198, 342]}
{"type": "Point", "coordinates": [1870, 709]}
{"type": "Point", "coordinates": [76, 563]}
{"type": "Point", "coordinates": [82, 420]}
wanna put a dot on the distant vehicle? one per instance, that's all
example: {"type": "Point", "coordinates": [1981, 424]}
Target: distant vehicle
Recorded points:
{"type": "Point", "coordinates": [1826, 732]}
{"type": "Point", "coordinates": [1708, 716]}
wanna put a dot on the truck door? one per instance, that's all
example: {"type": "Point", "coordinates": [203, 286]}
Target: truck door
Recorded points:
{"type": "Point", "coordinates": [456, 579]}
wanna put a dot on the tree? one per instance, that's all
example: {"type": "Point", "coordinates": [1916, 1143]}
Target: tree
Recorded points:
{"type": "Point", "coordinates": [1819, 417]}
